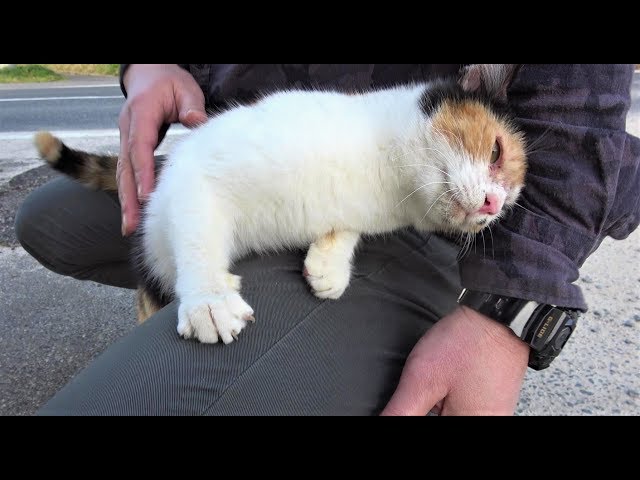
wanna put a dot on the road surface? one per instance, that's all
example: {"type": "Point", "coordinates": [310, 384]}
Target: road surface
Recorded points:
{"type": "Point", "coordinates": [84, 106]}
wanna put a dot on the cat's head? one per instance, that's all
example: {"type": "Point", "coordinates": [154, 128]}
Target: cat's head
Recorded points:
{"type": "Point", "coordinates": [478, 152]}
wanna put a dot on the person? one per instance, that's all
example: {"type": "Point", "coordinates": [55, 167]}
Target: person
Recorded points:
{"type": "Point", "coordinates": [397, 342]}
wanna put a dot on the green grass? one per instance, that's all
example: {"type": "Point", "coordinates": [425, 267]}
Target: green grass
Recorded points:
{"type": "Point", "coordinates": [48, 72]}
{"type": "Point", "coordinates": [84, 68]}
{"type": "Point", "coordinates": [28, 73]}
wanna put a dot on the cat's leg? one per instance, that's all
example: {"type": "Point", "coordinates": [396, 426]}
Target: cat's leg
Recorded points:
{"type": "Point", "coordinates": [210, 305]}
{"type": "Point", "coordinates": [328, 263]}
{"type": "Point", "coordinates": [145, 305]}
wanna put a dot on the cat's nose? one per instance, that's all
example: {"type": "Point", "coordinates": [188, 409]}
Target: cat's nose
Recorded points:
{"type": "Point", "coordinates": [492, 204]}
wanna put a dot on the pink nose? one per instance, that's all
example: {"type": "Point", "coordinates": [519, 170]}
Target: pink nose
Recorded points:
{"type": "Point", "coordinates": [492, 204]}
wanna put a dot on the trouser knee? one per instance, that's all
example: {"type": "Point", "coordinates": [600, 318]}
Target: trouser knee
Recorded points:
{"type": "Point", "coordinates": [31, 229]}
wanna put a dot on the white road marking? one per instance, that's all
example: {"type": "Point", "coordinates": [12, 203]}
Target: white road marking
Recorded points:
{"type": "Point", "coordinates": [45, 86]}
{"type": "Point", "coordinates": [101, 85]}
{"type": "Point", "coordinates": [63, 134]}
{"type": "Point", "coordinates": [41, 99]}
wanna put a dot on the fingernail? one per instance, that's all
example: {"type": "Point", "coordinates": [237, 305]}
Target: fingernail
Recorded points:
{"type": "Point", "coordinates": [198, 119]}
{"type": "Point", "coordinates": [142, 197]}
{"type": "Point", "coordinates": [124, 226]}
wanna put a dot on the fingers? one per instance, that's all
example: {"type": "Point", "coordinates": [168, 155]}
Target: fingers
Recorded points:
{"type": "Point", "coordinates": [135, 174]}
{"type": "Point", "coordinates": [193, 118]}
{"type": "Point", "coordinates": [143, 138]}
{"type": "Point", "coordinates": [417, 393]}
{"type": "Point", "coordinates": [190, 103]}
{"type": "Point", "coordinates": [126, 183]}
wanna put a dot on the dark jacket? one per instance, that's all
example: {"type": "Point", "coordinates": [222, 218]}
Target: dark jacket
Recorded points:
{"type": "Point", "coordinates": [583, 182]}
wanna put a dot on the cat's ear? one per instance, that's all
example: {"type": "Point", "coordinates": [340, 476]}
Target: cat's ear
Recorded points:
{"type": "Point", "coordinates": [490, 79]}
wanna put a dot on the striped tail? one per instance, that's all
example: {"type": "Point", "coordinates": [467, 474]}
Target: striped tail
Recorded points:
{"type": "Point", "coordinates": [95, 171]}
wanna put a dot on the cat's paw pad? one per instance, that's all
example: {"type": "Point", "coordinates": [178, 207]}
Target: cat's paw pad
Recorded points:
{"type": "Point", "coordinates": [327, 274]}
{"type": "Point", "coordinates": [208, 318]}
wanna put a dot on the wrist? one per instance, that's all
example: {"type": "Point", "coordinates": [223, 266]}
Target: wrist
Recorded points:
{"type": "Point", "coordinates": [498, 334]}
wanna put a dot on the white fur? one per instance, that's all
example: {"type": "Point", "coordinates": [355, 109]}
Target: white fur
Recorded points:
{"type": "Point", "coordinates": [287, 171]}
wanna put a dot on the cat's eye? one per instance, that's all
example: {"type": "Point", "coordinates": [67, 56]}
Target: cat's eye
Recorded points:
{"type": "Point", "coordinates": [495, 152]}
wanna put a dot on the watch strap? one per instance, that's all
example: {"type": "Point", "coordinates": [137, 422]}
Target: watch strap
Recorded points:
{"type": "Point", "coordinates": [545, 328]}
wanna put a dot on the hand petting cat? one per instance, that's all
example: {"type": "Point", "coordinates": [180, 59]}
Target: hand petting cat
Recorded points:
{"type": "Point", "coordinates": [467, 364]}
{"type": "Point", "coordinates": [163, 94]}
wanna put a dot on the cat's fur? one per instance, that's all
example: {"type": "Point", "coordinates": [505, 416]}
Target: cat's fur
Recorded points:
{"type": "Point", "coordinates": [316, 168]}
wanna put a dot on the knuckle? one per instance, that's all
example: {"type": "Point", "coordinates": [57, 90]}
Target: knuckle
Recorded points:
{"type": "Point", "coordinates": [135, 102]}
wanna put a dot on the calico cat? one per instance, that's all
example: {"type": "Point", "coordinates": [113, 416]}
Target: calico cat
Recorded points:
{"type": "Point", "coordinates": [318, 168]}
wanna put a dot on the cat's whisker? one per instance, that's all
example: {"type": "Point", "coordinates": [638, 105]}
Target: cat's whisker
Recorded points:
{"type": "Point", "coordinates": [453, 197]}
{"type": "Point", "coordinates": [525, 209]}
{"type": "Point", "coordinates": [415, 151]}
{"type": "Point", "coordinates": [436, 201]}
{"type": "Point", "coordinates": [440, 170]}
{"type": "Point", "coordinates": [466, 247]}
{"type": "Point", "coordinates": [493, 252]}
{"type": "Point", "coordinates": [424, 165]}
{"type": "Point", "coordinates": [419, 188]}
{"type": "Point", "coordinates": [472, 242]}
{"type": "Point", "coordinates": [484, 252]}
{"type": "Point", "coordinates": [442, 132]}
{"type": "Point", "coordinates": [420, 165]}
{"type": "Point", "coordinates": [479, 152]}
{"type": "Point", "coordinates": [531, 147]}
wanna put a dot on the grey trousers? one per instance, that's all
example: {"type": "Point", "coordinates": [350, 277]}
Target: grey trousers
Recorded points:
{"type": "Point", "coordinates": [303, 356]}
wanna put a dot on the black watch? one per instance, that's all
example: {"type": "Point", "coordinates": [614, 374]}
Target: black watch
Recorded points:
{"type": "Point", "coordinates": [545, 328]}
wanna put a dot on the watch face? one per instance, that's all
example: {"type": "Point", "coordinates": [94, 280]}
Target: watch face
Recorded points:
{"type": "Point", "coordinates": [550, 337]}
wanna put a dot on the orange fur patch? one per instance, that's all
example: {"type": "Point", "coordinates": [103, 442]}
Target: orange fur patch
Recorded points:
{"type": "Point", "coordinates": [472, 129]}
{"type": "Point", "coordinates": [328, 241]}
{"type": "Point", "coordinates": [145, 306]}
{"type": "Point", "coordinates": [48, 146]}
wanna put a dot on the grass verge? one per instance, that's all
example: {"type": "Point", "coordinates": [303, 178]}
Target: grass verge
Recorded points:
{"type": "Point", "coordinates": [28, 73]}
{"type": "Point", "coordinates": [84, 68]}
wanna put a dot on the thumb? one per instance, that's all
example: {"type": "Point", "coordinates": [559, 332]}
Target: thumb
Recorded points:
{"type": "Point", "coordinates": [192, 116]}
{"type": "Point", "coordinates": [416, 394]}
{"type": "Point", "coordinates": [191, 111]}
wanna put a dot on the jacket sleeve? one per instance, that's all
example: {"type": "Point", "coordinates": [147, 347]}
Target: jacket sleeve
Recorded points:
{"type": "Point", "coordinates": [582, 184]}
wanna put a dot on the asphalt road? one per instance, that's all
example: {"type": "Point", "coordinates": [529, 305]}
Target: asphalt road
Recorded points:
{"type": "Point", "coordinates": [76, 105]}
{"type": "Point", "coordinates": [52, 326]}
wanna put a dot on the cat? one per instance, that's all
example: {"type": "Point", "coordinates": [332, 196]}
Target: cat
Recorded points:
{"type": "Point", "coordinates": [316, 169]}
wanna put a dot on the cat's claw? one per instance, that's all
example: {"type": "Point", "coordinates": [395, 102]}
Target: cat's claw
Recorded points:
{"type": "Point", "coordinates": [209, 318]}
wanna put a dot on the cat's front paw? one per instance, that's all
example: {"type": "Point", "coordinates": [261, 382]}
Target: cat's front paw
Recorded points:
{"type": "Point", "coordinates": [328, 274]}
{"type": "Point", "coordinates": [209, 317]}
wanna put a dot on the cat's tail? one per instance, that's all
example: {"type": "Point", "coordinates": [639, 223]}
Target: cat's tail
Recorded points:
{"type": "Point", "coordinates": [95, 171]}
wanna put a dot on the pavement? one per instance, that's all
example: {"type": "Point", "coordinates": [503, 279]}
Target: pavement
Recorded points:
{"type": "Point", "coordinates": [52, 326]}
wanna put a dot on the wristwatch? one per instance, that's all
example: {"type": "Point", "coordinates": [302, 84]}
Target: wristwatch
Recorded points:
{"type": "Point", "coordinates": [545, 328]}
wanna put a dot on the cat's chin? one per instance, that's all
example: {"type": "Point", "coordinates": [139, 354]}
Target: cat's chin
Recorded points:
{"type": "Point", "coordinates": [473, 223]}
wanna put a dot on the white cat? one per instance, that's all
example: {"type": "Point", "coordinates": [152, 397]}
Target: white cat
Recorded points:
{"type": "Point", "coordinates": [316, 168]}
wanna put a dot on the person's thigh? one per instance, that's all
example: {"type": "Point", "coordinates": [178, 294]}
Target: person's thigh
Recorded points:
{"type": "Point", "coordinates": [75, 231]}
{"type": "Point", "coordinates": [303, 356]}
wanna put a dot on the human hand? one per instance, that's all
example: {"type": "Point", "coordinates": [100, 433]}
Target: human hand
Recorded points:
{"type": "Point", "coordinates": [467, 364]}
{"type": "Point", "coordinates": [156, 95]}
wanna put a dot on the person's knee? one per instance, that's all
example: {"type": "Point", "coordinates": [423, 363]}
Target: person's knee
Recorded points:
{"type": "Point", "coordinates": [27, 221]}
{"type": "Point", "coordinates": [32, 228]}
